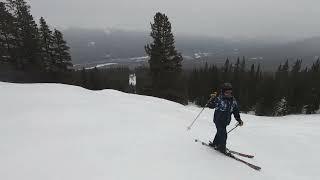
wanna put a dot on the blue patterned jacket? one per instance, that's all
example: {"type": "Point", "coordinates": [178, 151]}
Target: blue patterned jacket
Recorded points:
{"type": "Point", "coordinates": [224, 108]}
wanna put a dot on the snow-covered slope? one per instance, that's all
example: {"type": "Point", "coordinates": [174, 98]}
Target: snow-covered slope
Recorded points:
{"type": "Point", "coordinates": [59, 132]}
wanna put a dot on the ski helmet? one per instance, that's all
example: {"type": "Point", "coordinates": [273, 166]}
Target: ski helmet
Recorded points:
{"type": "Point", "coordinates": [226, 87]}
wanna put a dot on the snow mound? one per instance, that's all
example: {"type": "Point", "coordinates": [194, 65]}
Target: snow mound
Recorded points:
{"type": "Point", "coordinates": [60, 132]}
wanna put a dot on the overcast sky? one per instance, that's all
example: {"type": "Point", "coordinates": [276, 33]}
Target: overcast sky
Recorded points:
{"type": "Point", "coordinates": [226, 18]}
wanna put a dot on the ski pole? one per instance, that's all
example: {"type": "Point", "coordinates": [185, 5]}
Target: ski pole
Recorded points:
{"type": "Point", "coordinates": [233, 128]}
{"type": "Point", "coordinates": [189, 127]}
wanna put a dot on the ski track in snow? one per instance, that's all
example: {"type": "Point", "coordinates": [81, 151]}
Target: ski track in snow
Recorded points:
{"type": "Point", "coordinates": [61, 132]}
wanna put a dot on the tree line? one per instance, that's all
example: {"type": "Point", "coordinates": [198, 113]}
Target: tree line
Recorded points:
{"type": "Point", "coordinates": [27, 46]}
{"type": "Point", "coordinates": [290, 90]}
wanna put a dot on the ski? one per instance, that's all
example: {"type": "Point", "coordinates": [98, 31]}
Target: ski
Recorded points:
{"type": "Point", "coordinates": [245, 162]}
{"type": "Point", "coordinates": [231, 151]}
{"type": "Point", "coordinates": [232, 156]}
{"type": "Point", "coordinates": [241, 154]}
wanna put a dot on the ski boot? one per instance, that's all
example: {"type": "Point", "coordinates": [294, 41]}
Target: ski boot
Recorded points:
{"type": "Point", "coordinates": [212, 144]}
{"type": "Point", "coordinates": [224, 150]}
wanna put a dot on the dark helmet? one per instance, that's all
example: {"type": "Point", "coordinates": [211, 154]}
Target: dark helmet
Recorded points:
{"type": "Point", "coordinates": [226, 87]}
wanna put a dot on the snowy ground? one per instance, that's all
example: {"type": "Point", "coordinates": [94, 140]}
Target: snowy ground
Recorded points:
{"type": "Point", "coordinates": [59, 132]}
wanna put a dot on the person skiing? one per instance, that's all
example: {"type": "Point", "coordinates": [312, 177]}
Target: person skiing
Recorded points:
{"type": "Point", "coordinates": [225, 105]}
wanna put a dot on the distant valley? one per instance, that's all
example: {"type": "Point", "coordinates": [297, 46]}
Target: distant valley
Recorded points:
{"type": "Point", "coordinates": [106, 48]}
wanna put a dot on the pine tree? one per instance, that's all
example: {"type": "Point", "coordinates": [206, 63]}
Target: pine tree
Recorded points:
{"type": "Point", "coordinates": [252, 87]}
{"type": "Point", "coordinates": [296, 67]}
{"type": "Point", "coordinates": [312, 102]}
{"type": "Point", "coordinates": [258, 73]}
{"type": "Point", "coordinates": [237, 66]}
{"type": "Point", "coordinates": [46, 43]}
{"type": "Point", "coordinates": [236, 79]}
{"type": "Point", "coordinates": [316, 66]}
{"type": "Point", "coordinates": [281, 107]}
{"type": "Point", "coordinates": [162, 53]}
{"type": "Point", "coordinates": [296, 85]}
{"type": "Point", "coordinates": [28, 52]}
{"type": "Point", "coordinates": [226, 66]}
{"type": "Point", "coordinates": [266, 96]}
{"type": "Point", "coordinates": [243, 65]}
{"type": "Point", "coordinates": [252, 71]}
{"type": "Point", "coordinates": [165, 62]}
{"type": "Point", "coordinates": [61, 52]}
{"type": "Point", "coordinates": [7, 37]}
{"type": "Point", "coordinates": [243, 87]}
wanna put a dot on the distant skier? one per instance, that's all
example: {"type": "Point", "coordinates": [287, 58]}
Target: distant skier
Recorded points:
{"type": "Point", "coordinates": [225, 105]}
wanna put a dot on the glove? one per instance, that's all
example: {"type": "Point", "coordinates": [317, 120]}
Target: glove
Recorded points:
{"type": "Point", "coordinates": [213, 95]}
{"type": "Point", "coordinates": [240, 122]}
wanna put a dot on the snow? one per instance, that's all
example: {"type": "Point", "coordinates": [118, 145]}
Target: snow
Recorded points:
{"type": "Point", "coordinates": [107, 56]}
{"type": "Point", "coordinates": [185, 57]}
{"type": "Point", "coordinates": [91, 44]}
{"type": "Point", "coordinates": [139, 59]}
{"type": "Point", "coordinates": [256, 58]}
{"type": "Point", "coordinates": [102, 65]}
{"type": "Point", "coordinates": [200, 55]}
{"type": "Point", "coordinates": [107, 31]}
{"type": "Point", "coordinates": [60, 132]}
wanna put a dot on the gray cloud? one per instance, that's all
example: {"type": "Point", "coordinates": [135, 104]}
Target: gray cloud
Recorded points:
{"type": "Point", "coordinates": [227, 18]}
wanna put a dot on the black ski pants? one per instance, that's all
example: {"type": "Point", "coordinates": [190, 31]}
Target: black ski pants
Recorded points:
{"type": "Point", "coordinates": [221, 136]}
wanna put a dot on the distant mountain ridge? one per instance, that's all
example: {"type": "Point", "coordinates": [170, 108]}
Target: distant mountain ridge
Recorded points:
{"type": "Point", "coordinates": [107, 46]}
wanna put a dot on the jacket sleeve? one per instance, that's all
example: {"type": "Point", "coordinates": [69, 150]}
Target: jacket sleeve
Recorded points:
{"type": "Point", "coordinates": [212, 103]}
{"type": "Point", "coordinates": [236, 112]}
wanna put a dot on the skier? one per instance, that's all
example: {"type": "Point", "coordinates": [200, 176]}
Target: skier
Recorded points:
{"type": "Point", "coordinates": [225, 105]}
